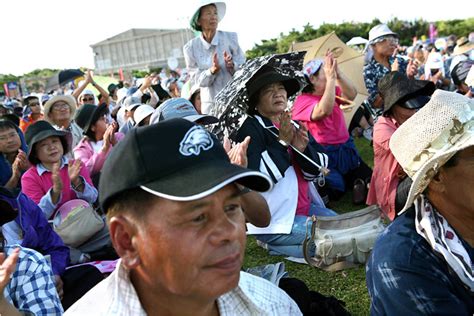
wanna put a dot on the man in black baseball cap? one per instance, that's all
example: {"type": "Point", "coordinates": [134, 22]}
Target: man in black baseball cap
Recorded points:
{"type": "Point", "coordinates": [174, 212]}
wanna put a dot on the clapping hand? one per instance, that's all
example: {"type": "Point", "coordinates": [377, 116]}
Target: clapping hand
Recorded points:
{"type": "Point", "coordinates": [229, 63]}
{"type": "Point", "coordinates": [215, 64]}
{"type": "Point", "coordinates": [20, 163]}
{"type": "Point", "coordinates": [114, 128]}
{"type": "Point", "coordinates": [57, 183]}
{"type": "Point", "coordinates": [412, 69]}
{"type": "Point", "coordinates": [74, 168]}
{"type": "Point", "coordinates": [287, 130]}
{"type": "Point", "coordinates": [89, 77]}
{"type": "Point", "coordinates": [109, 137]}
{"type": "Point", "coordinates": [330, 67]}
{"type": "Point", "coordinates": [301, 139]}
{"type": "Point", "coordinates": [237, 153]}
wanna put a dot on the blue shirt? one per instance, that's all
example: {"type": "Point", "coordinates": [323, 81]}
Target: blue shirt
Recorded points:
{"type": "Point", "coordinates": [373, 72]}
{"type": "Point", "coordinates": [406, 277]}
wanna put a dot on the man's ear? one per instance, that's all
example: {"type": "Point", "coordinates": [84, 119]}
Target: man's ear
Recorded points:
{"type": "Point", "coordinates": [437, 182]}
{"type": "Point", "coordinates": [122, 231]}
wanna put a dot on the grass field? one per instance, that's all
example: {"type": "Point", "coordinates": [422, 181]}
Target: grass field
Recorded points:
{"type": "Point", "coordinates": [348, 285]}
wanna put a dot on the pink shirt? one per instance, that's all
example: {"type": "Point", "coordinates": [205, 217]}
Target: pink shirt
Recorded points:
{"type": "Point", "coordinates": [304, 201]}
{"type": "Point", "coordinates": [383, 186]}
{"type": "Point", "coordinates": [94, 161]}
{"type": "Point", "coordinates": [36, 185]}
{"type": "Point", "coordinates": [331, 130]}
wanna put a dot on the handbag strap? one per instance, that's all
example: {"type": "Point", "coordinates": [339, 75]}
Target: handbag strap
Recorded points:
{"type": "Point", "coordinates": [306, 243]}
{"type": "Point", "coordinates": [323, 169]}
{"type": "Point", "coordinates": [338, 266]}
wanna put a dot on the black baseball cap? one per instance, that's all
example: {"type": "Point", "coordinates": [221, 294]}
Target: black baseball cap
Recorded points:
{"type": "Point", "coordinates": [176, 160]}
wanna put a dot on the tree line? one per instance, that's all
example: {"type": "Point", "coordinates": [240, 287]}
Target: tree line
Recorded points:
{"type": "Point", "coordinates": [347, 30]}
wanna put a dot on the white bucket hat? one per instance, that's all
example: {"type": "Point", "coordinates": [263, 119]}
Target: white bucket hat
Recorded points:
{"type": "Point", "coordinates": [221, 7]}
{"type": "Point", "coordinates": [435, 61]}
{"type": "Point", "coordinates": [142, 112]}
{"type": "Point", "coordinates": [379, 31]}
{"type": "Point", "coordinates": [426, 141]}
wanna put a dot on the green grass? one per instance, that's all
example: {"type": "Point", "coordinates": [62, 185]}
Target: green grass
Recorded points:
{"type": "Point", "coordinates": [348, 285]}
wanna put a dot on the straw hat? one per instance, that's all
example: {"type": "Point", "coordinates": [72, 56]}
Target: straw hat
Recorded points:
{"type": "Point", "coordinates": [65, 98]}
{"type": "Point", "coordinates": [463, 45]}
{"type": "Point", "coordinates": [425, 142]}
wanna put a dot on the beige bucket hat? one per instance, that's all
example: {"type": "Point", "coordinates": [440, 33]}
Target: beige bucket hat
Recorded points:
{"type": "Point", "coordinates": [65, 98]}
{"type": "Point", "coordinates": [426, 141]}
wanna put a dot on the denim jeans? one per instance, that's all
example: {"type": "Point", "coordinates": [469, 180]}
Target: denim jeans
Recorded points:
{"type": "Point", "coordinates": [292, 244]}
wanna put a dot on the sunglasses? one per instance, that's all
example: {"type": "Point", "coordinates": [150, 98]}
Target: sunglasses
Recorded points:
{"type": "Point", "coordinates": [34, 104]}
{"type": "Point", "coordinates": [390, 38]}
{"type": "Point", "coordinates": [87, 99]}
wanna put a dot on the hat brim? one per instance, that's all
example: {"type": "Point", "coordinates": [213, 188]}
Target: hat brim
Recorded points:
{"type": "Point", "coordinates": [423, 176]}
{"type": "Point", "coordinates": [463, 49]}
{"type": "Point", "coordinates": [291, 85]}
{"type": "Point", "coordinates": [48, 133]}
{"type": "Point", "coordinates": [372, 41]}
{"type": "Point", "coordinates": [415, 88]}
{"type": "Point", "coordinates": [202, 119]}
{"type": "Point", "coordinates": [202, 180]}
{"type": "Point", "coordinates": [133, 106]}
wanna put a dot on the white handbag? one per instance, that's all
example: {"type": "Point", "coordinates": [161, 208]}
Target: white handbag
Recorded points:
{"type": "Point", "coordinates": [342, 241]}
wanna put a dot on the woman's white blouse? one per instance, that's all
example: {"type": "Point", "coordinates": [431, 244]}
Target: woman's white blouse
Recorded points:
{"type": "Point", "coordinates": [198, 56]}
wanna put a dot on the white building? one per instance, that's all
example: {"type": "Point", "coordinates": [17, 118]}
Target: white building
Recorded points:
{"type": "Point", "coordinates": [141, 49]}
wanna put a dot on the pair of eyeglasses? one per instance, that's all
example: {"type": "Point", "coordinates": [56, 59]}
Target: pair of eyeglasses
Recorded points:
{"type": "Point", "coordinates": [60, 106]}
{"type": "Point", "coordinates": [390, 38]}
{"type": "Point", "coordinates": [88, 99]}
{"type": "Point", "coordinates": [34, 104]}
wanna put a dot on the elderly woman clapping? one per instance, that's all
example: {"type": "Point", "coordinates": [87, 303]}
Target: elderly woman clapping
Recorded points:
{"type": "Point", "coordinates": [275, 149]}
{"type": "Point", "coordinates": [422, 264]}
{"type": "Point", "coordinates": [214, 56]}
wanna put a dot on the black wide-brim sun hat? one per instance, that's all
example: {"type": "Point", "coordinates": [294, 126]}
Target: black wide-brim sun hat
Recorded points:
{"type": "Point", "coordinates": [40, 130]}
{"type": "Point", "coordinates": [397, 88]}
{"type": "Point", "coordinates": [267, 75]}
{"type": "Point", "coordinates": [87, 115]}
{"type": "Point", "coordinates": [174, 159]}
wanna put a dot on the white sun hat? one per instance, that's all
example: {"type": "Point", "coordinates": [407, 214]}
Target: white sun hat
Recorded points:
{"type": "Point", "coordinates": [220, 6]}
{"type": "Point", "coordinates": [379, 31]}
{"type": "Point", "coordinates": [142, 112]}
{"type": "Point", "coordinates": [426, 141]}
